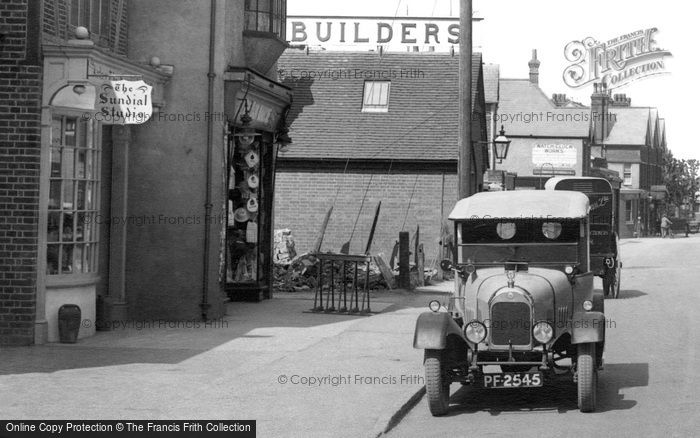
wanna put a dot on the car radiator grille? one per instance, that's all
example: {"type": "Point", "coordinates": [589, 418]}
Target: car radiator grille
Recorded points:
{"type": "Point", "coordinates": [510, 323]}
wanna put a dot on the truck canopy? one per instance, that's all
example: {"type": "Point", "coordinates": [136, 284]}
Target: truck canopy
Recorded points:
{"type": "Point", "coordinates": [522, 204]}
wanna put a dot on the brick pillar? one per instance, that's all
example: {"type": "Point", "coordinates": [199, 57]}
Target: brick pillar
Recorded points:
{"type": "Point", "coordinates": [20, 158]}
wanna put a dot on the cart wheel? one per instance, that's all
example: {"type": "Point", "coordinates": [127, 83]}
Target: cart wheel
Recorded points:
{"type": "Point", "coordinates": [437, 388]}
{"type": "Point", "coordinates": [587, 377]}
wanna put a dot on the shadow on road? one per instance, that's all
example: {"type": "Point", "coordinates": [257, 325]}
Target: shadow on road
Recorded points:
{"type": "Point", "coordinates": [560, 396]}
{"type": "Point", "coordinates": [626, 294]}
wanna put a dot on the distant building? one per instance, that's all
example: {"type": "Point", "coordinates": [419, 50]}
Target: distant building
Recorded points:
{"type": "Point", "coordinates": [632, 141]}
{"type": "Point", "coordinates": [370, 127]}
{"type": "Point", "coordinates": [548, 137]}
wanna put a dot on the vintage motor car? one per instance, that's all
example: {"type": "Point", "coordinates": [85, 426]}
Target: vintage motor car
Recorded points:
{"type": "Point", "coordinates": [523, 312]}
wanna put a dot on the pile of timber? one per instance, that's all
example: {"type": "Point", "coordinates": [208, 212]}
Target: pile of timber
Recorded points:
{"type": "Point", "coordinates": [301, 273]}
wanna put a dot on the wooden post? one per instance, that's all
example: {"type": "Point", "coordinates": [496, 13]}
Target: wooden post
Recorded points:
{"type": "Point", "coordinates": [464, 166]}
{"type": "Point", "coordinates": [420, 265]}
{"type": "Point", "coordinates": [404, 255]}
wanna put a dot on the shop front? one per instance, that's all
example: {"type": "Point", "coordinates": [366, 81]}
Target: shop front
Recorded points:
{"type": "Point", "coordinates": [256, 132]}
{"type": "Point", "coordinates": [82, 181]}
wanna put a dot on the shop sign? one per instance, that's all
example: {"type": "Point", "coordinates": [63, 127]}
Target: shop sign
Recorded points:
{"type": "Point", "coordinates": [556, 155]}
{"type": "Point", "coordinates": [328, 31]}
{"type": "Point", "coordinates": [124, 102]}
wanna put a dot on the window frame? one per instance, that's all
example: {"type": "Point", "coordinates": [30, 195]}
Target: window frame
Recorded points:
{"type": "Point", "coordinates": [627, 174]}
{"type": "Point", "coordinates": [275, 12]}
{"type": "Point", "coordinates": [91, 183]}
{"type": "Point", "coordinates": [629, 216]}
{"type": "Point", "coordinates": [82, 13]}
{"type": "Point", "coordinates": [382, 106]}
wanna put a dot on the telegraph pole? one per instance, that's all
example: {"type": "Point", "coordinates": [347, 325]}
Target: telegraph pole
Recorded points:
{"type": "Point", "coordinates": [464, 165]}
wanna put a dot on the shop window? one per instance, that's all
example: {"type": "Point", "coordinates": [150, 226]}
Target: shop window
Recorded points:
{"type": "Point", "coordinates": [73, 197]}
{"type": "Point", "coordinates": [627, 174]}
{"type": "Point", "coordinates": [629, 217]}
{"type": "Point", "coordinates": [92, 14]}
{"type": "Point", "coordinates": [266, 16]}
{"type": "Point", "coordinates": [376, 96]}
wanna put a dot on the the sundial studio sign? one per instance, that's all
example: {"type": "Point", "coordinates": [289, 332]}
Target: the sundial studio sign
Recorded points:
{"type": "Point", "coordinates": [615, 62]}
{"type": "Point", "coordinates": [373, 31]}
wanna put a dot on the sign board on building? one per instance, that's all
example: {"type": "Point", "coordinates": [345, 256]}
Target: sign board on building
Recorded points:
{"type": "Point", "coordinates": [373, 31]}
{"type": "Point", "coordinates": [557, 155]}
{"type": "Point", "coordinates": [123, 102]}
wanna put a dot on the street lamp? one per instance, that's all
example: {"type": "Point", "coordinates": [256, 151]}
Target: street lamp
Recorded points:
{"type": "Point", "coordinates": [500, 147]}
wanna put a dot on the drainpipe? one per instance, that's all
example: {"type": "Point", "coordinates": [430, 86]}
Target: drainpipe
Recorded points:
{"type": "Point", "coordinates": [210, 145]}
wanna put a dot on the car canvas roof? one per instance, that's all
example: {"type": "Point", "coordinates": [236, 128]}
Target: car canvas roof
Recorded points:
{"type": "Point", "coordinates": [522, 204]}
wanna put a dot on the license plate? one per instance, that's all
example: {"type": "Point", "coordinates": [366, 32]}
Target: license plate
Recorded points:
{"type": "Point", "coordinates": [513, 380]}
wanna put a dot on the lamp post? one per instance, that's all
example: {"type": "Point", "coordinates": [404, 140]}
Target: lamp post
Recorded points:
{"type": "Point", "coordinates": [500, 146]}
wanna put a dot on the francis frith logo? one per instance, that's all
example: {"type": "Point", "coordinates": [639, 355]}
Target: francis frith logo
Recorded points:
{"type": "Point", "coordinates": [616, 62]}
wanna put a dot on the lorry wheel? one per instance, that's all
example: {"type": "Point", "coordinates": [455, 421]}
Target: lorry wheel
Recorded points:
{"type": "Point", "coordinates": [616, 286]}
{"type": "Point", "coordinates": [437, 388]}
{"type": "Point", "coordinates": [587, 377]}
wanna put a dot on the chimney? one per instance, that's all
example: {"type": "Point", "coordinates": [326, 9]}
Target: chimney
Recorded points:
{"type": "Point", "coordinates": [601, 120]}
{"type": "Point", "coordinates": [534, 65]}
{"type": "Point", "coordinates": [559, 100]}
{"type": "Point", "coordinates": [621, 100]}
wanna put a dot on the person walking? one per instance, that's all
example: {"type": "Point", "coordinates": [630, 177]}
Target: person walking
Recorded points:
{"type": "Point", "coordinates": [665, 226]}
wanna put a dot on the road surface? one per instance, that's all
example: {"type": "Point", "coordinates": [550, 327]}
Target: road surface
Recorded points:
{"type": "Point", "coordinates": [649, 386]}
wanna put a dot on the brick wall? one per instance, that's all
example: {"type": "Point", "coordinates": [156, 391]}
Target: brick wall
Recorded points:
{"type": "Point", "coordinates": [20, 144]}
{"type": "Point", "coordinates": [56, 26]}
{"type": "Point", "coordinates": [303, 198]}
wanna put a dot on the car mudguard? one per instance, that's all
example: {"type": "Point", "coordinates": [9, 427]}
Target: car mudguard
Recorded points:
{"type": "Point", "coordinates": [432, 329]}
{"type": "Point", "coordinates": [587, 327]}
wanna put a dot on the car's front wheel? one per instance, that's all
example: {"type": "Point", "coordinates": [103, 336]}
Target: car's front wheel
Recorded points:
{"type": "Point", "coordinates": [436, 385]}
{"type": "Point", "coordinates": [587, 377]}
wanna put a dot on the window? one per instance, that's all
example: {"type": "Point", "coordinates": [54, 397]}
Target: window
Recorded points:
{"type": "Point", "coordinates": [629, 218]}
{"type": "Point", "coordinates": [266, 16]}
{"type": "Point", "coordinates": [73, 197]}
{"type": "Point", "coordinates": [93, 14]}
{"type": "Point", "coordinates": [551, 230]}
{"type": "Point", "coordinates": [627, 174]}
{"type": "Point", "coordinates": [376, 97]}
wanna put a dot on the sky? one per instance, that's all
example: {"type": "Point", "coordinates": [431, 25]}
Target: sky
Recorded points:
{"type": "Point", "coordinates": [510, 29]}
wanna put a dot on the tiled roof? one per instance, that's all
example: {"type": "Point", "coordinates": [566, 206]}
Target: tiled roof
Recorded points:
{"type": "Point", "coordinates": [326, 120]}
{"type": "Point", "coordinates": [631, 125]}
{"type": "Point", "coordinates": [525, 111]}
{"type": "Point", "coordinates": [491, 78]}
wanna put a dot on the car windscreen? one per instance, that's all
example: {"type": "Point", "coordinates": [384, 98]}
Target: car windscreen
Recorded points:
{"type": "Point", "coordinates": [546, 241]}
{"type": "Point", "coordinates": [520, 231]}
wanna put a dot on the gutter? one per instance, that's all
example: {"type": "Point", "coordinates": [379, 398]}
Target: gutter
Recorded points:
{"type": "Point", "coordinates": [204, 305]}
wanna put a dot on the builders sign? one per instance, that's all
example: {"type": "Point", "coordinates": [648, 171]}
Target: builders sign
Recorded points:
{"type": "Point", "coordinates": [372, 31]}
{"type": "Point", "coordinates": [556, 155]}
{"type": "Point", "coordinates": [124, 102]}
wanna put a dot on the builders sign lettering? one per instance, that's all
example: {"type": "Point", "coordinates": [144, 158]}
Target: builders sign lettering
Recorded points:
{"type": "Point", "coordinates": [320, 31]}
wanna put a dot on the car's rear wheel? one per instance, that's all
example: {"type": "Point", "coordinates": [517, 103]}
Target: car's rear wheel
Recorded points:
{"type": "Point", "coordinates": [436, 385]}
{"type": "Point", "coordinates": [587, 377]}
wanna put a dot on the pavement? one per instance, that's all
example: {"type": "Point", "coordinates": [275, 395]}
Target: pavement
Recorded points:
{"type": "Point", "coordinates": [296, 373]}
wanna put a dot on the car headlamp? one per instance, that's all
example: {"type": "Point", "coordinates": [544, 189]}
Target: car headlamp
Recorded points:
{"type": "Point", "coordinates": [475, 332]}
{"type": "Point", "coordinates": [569, 269]}
{"type": "Point", "coordinates": [434, 305]}
{"type": "Point", "coordinates": [542, 332]}
{"type": "Point", "coordinates": [587, 305]}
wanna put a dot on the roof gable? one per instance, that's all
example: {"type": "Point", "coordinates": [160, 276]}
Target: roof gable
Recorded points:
{"type": "Point", "coordinates": [524, 110]}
